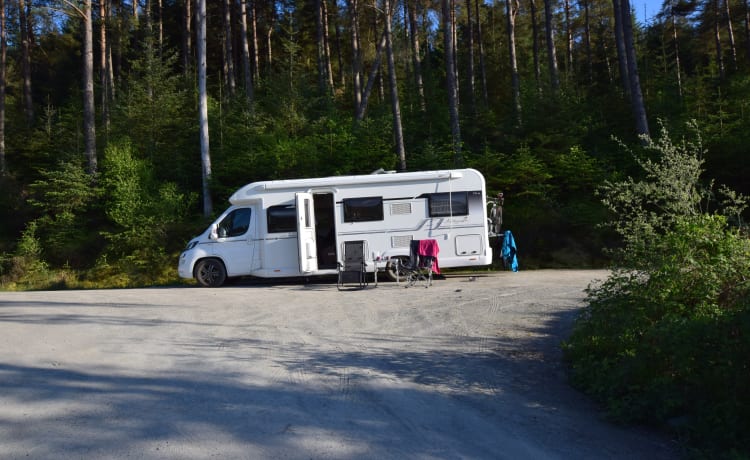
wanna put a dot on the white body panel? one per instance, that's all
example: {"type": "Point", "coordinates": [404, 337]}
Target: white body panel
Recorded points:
{"type": "Point", "coordinates": [409, 207]}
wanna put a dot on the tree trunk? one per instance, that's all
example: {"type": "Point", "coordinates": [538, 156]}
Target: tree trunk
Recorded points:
{"type": "Point", "coordinates": [89, 111]}
{"type": "Point", "coordinates": [339, 53]}
{"type": "Point", "coordinates": [587, 40]}
{"type": "Point", "coordinates": [115, 56]}
{"type": "Point", "coordinates": [554, 74]}
{"type": "Point", "coordinates": [103, 71]}
{"type": "Point", "coordinates": [288, 17]}
{"type": "Point", "coordinates": [568, 41]}
{"type": "Point", "coordinates": [160, 27]}
{"type": "Point", "coordinates": [28, 103]}
{"type": "Point", "coordinates": [228, 51]}
{"type": "Point", "coordinates": [327, 45]}
{"type": "Point", "coordinates": [535, 46]}
{"type": "Point", "coordinates": [378, 75]}
{"type": "Point", "coordinates": [187, 36]}
{"type": "Point", "coordinates": [256, 51]}
{"type": "Point", "coordinates": [269, 49]}
{"type": "Point", "coordinates": [717, 39]}
{"type": "Point", "coordinates": [450, 80]}
{"type": "Point", "coordinates": [605, 26]}
{"type": "Point", "coordinates": [203, 107]}
{"type": "Point", "coordinates": [110, 66]}
{"type": "Point", "coordinates": [730, 31]}
{"type": "Point", "coordinates": [470, 67]}
{"type": "Point", "coordinates": [639, 107]}
{"type": "Point", "coordinates": [415, 54]}
{"type": "Point", "coordinates": [247, 69]}
{"type": "Point", "coordinates": [409, 59]}
{"type": "Point", "coordinates": [747, 29]}
{"type": "Point", "coordinates": [3, 166]}
{"type": "Point", "coordinates": [356, 59]}
{"type": "Point", "coordinates": [511, 10]}
{"type": "Point", "coordinates": [398, 133]}
{"type": "Point", "coordinates": [149, 41]}
{"type": "Point", "coordinates": [482, 68]}
{"type": "Point", "coordinates": [372, 76]}
{"type": "Point", "coordinates": [149, 22]}
{"type": "Point", "coordinates": [678, 71]}
{"type": "Point", "coordinates": [454, 32]}
{"type": "Point", "coordinates": [622, 58]}
{"type": "Point", "coordinates": [322, 77]}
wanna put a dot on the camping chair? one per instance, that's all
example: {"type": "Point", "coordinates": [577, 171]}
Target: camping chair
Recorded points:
{"type": "Point", "coordinates": [353, 267]}
{"type": "Point", "coordinates": [422, 263]}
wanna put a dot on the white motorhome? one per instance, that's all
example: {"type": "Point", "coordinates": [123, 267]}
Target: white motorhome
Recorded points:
{"type": "Point", "coordinates": [289, 228]}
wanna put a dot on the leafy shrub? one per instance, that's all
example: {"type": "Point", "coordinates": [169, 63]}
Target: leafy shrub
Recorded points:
{"type": "Point", "coordinates": [665, 339]}
{"type": "Point", "coordinates": [144, 216]}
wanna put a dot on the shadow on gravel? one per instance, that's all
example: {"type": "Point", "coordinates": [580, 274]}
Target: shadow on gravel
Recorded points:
{"type": "Point", "coordinates": [30, 316]}
{"type": "Point", "coordinates": [457, 397]}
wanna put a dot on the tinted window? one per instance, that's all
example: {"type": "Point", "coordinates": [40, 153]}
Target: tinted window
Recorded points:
{"type": "Point", "coordinates": [235, 223]}
{"type": "Point", "coordinates": [282, 219]}
{"type": "Point", "coordinates": [448, 204]}
{"type": "Point", "coordinates": [363, 209]}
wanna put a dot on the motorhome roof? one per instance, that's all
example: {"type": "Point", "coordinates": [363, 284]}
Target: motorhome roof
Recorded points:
{"type": "Point", "coordinates": [251, 190]}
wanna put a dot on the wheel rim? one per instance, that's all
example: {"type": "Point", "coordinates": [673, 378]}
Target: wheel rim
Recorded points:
{"type": "Point", "coordinates": [210, 273]}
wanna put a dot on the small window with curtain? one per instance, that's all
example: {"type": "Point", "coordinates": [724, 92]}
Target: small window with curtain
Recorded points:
{"type": "Point", "coordinates": [364, 209]}
{"type": "Point", "coordinates": [282, 219]}
{"type": "Point", "coordinates": [448, 204]}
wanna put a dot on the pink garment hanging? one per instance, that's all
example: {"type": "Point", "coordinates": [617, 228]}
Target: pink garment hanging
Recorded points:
{"type": "Point", "coordinates": [430, 248]}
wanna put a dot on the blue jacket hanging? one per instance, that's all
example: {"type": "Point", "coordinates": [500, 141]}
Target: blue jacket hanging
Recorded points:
{"type": "Point", "coordinates": [509, 252]}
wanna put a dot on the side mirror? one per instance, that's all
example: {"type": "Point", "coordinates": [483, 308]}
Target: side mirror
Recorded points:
{"type": "Point", "coordinates": [214, 235]}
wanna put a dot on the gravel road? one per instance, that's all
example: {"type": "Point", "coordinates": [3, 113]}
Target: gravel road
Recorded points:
{"type": "Point", "coordinates": [467, 368]}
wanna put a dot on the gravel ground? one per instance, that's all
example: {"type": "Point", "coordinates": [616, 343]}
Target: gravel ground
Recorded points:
{"type": "Point", "coordinates": [467, 368]}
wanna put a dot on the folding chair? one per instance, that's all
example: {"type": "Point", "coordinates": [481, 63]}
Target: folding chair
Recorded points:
{"type": "Point", "coordinates": [421, 264]}
{"type": "Point", "coordinates": [353, 268]}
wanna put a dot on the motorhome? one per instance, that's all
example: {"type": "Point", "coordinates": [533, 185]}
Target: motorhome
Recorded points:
{"type": "Point", "coordinates": [292, 228]}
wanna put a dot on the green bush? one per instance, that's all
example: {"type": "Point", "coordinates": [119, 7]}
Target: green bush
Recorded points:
{"type": "Point", "coordinates": [145, 217]}
{"type": "Point", "coordinates": [665, 339]}
{"type": "Point", "coordinates": [66, 199]}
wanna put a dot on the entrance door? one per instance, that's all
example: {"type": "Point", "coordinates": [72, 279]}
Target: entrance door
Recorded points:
{"type": "Point", "coordinates": [325, 230]}
{"type": "Point", "coordinates": [308, 254]}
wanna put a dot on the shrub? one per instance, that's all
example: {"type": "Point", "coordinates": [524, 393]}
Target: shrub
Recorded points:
{"type": "Point", "coordinates": [144, 214]}
{"type": "Point", "coordinates": [665, 338]}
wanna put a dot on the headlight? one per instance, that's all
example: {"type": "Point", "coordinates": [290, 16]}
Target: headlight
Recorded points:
{"type": "Point", "coordinates": [191, 245]}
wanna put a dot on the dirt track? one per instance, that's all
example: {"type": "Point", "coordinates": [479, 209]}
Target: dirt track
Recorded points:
{"type": "Point", "coordinates": [463, 369]}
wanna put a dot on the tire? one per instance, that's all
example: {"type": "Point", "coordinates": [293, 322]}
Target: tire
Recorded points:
{"type": "Point", "coordinates": [390, 269]}
{"type": "Point", "coordinates": [210, 273]}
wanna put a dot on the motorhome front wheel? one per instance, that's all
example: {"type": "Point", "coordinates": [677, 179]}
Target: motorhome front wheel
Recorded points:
{"type": "Point", "coordinates": [210, 273]}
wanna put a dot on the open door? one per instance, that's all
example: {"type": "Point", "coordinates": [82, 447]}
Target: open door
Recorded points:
{"type": "Point", "coordinates": [308, 253]}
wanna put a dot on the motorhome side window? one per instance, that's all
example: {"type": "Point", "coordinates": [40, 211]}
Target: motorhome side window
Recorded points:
{"type": "Point", "coordinates": [282, 219]}
{"type": "Point", "coordinates": [235, 223]}
{"type": "Point", "coordinates": [364, 209]}
{"type": "Point", "coordinates": [448, 204]}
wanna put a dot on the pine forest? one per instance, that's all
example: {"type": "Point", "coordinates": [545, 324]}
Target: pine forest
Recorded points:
{"type": "Point", "coordinates": [124, 125]}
